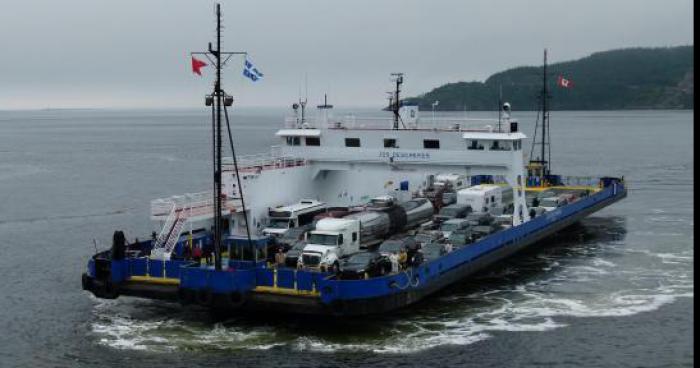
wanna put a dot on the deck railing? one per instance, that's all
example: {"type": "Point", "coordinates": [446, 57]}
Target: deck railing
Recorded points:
{"type": "Point", "coordinates": [355, 122]}
{"type": "Point", "coordinates": [272, 160]}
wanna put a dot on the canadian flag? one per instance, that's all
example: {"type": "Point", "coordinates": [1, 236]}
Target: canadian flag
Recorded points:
{"type": "Point", "coordinates": [564, 83]}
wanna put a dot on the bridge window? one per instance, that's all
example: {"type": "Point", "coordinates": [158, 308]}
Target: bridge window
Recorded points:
{"type": "Point", "coordinates": [390, 143]}
{"type": "Point", "coordinates": [352, 142]}
{"type": "Point", "coordinates": [313, 141]}
{"type": "Point", "coordinates": [431, 144]}
{"type": "Point", "coordinates": [475, 145]}
{"type": "Point", "coordinates": [500, 146]}
{"type": "Point", "coordinates": [517, 145]}
{"type": "Point", "coordinates": [293, 141]}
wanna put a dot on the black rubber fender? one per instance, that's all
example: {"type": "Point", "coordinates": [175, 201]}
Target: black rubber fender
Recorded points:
{"type": "Point", "coordinates": [110, 290]}
{"type": "Point", "coordinates": [236, 299]}
{"type": "Point", "coordinates": [204, 297]}
{"type": "Point", "coordinates": [185, 296]}
{"type": "Point", "coordinates": [86, 282]}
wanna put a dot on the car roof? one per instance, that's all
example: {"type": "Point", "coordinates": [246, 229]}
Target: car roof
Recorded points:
{"type": "Point", "coordinates": [454, 221]}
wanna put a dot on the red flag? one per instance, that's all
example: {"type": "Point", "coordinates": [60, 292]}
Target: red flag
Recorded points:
{"type": "Point", "coordinates": [197, 65]}
{"type": "Point", "coordinates": [564, 83]}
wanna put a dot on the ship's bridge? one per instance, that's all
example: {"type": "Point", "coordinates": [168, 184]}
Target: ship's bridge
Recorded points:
{"type": "Point", "coordinates": [445, 141]}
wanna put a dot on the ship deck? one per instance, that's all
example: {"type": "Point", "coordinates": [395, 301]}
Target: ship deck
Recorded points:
{"type": "Point", "coordinates": [256, 286]}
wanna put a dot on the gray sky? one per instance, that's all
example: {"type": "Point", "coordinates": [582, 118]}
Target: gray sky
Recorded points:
{"type": "Point", "coordinates": [127, 53]}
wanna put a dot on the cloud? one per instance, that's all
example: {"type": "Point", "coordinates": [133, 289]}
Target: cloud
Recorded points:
{"type": "Point", "coordinates": [79, 53]}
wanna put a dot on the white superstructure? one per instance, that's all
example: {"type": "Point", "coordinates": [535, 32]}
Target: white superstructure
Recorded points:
{"type": "Point", "coordinates": [350, 160]}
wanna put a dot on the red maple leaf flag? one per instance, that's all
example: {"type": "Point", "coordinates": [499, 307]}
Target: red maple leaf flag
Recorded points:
{"type": "Point", "coordinates": [197, 65]}
{"type": "Point", "coordinates": [564, 83]}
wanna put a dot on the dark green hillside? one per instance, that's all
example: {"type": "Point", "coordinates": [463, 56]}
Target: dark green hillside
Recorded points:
{"type": "Point", "coordinates": [636, 78]}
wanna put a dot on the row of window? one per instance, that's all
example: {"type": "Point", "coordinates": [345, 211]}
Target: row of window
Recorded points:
{"type": "Point", "coordinates": [427, 143]}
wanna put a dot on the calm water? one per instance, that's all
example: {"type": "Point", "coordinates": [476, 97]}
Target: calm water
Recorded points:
{"type": "Point", "coordinates": [615, 290]}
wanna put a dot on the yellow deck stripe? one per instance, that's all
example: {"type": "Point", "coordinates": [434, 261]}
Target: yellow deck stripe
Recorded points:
{"type": "Point", "coordinates": [154, 280]}
{"type": "Point", "coordinates": [541, 189]}
{"type": "Point", "coordinates": [285, 291]}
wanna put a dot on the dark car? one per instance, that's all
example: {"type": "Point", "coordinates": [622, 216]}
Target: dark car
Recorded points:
{"type": "Point", "coordinates": [427, 237]}
{"type": "Point", "coordinates": [459, 238]}
{"type": "Point", "coordinates": [286, 240]}
{"type": "Point", "coordinates": [293, 235]}
{"type": "Point", "coordinates": [452, 211]}
{"type": "Point", "coordinates": [364, 264]}
{"type": "Point", "coordinates": [477, 219]}
{"type": "Point", "coordinates": [395, 245]}
{"type": "Point", "coordinates": [481, 231]}
{"type": "Point", "coordinates": [292, 256]}
{"type": "Point", "coordinates": [432, 251]}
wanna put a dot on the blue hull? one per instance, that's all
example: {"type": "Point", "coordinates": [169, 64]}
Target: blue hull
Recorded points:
{"type": "Point", "coordinates": [318, 293]}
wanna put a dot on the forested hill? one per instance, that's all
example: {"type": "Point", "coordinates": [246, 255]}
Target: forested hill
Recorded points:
{"type": "Point", "coordinates": [635, 78]}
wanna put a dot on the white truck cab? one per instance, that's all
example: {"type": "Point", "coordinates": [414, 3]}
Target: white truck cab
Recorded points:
{"type": "Point", "coordinates": [333, 238]}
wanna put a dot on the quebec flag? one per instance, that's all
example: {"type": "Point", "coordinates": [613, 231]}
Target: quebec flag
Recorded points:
{"type": "Point", "coordinates": [251, 72]}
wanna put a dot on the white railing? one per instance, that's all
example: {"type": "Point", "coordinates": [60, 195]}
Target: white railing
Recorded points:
{"type": "Point", "coordinates": [163, 206]}
{"type": "Point", "coordinates": [273, 160]}
{"type": "Point", "coordinates": [350, 121]}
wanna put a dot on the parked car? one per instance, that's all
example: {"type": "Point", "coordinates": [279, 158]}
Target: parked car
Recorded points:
{"type": "Point", "coordinates": [432, 251]}
{"type": "Point", "coordinates": [292, 256]}
{"type": "Point", "coordinates": [481, 231]}
{"type": "Point", "coordinates": [389, 246]}
{"type": "Point", "coordinates": [505, 221]}
{"type": "Point", "coordinates": [452, 211]}
{"type": "Point", "coordinates": [293, 235]}
{"type": "Point", "coordinates": [476, 219]}
{"type": "Point", "coordinates": [364, 264]}
{"type": "Point", "coordinates": [552, 203]}
{"type": "Point", "coordinates": [460, 237]}
{"type": "Point", "coordinates": [449, 226]}
{"type": "Point", "coordinates": [427, 237]}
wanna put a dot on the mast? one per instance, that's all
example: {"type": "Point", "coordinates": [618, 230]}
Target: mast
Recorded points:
{"type": "Point", "coordinates": [398, 78]}
{"type": "Point", "coordinates": [541, 165]}
{"type": "Point", "coordinates": [217, 172]}
{"type": "Point", "coordinates": [545, 116]}
{"type": "Point", "coordinates": [219, 100]}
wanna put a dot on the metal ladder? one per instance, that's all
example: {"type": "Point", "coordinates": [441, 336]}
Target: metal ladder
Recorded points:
{"type": "Point", "coordinates": [170, 233]}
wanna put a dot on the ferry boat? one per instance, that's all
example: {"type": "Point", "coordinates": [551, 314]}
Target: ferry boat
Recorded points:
{"type": "Point", "coordinates": [368, 179]}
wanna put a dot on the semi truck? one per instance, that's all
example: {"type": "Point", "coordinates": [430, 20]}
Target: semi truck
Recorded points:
{"type": "Point", "coordinates": [334, 238]}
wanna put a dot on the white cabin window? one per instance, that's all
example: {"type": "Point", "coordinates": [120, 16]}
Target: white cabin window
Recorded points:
{"type": "Point", "coordinates": [293, 141]}
{"type": "Point", "coordinates": [431, 144]}
{"type": "Point", "coordinates": [390, 143]}
{"type": "Point", "coordinates": [475, 145]}
{"type": "Point", "coordinates": [313, 141]}
{"type": "Point", "coordinates": [352, 142]}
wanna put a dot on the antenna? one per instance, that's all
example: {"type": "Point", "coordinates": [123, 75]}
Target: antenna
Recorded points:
{"type": "Point", "coordinates": [218, 99]}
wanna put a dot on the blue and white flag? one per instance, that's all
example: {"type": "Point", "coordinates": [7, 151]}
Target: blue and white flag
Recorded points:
{"type": "Point", "coordinates": [251, 72]}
